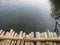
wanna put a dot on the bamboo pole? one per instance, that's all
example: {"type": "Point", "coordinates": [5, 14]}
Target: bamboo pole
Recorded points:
{"type": "Point", "coordinates": [54, 35]}
{"type": "Point", "coordinates": [22, 42]}
{"type": "Point", "coordinates": [49, 35]}
{"type": "Point", "coordinates": [29, 43]}
{"type": "Point", "coordinates": [13, 41]}
{"type": "Point", "coordinates": [42, 35]}
{"type": "Point", "coordinates": [26, 42]}
{"type": "Point", "coordinates": [9, 36]}
{"type": "Point", "coordinates": [38, 36]}
{"type": "Point", "coordinates": [20, 35]}
{"type": "Point", "coordinates": [32, 36]}
{"type": "Point", "coordinates": [30, 39]}
{"type": "Point", "coordinates": [5, 41]}
{"type": "Point", "coordinates": [12, 34]}
{"type": "Point", "coordinates": [1, 34]}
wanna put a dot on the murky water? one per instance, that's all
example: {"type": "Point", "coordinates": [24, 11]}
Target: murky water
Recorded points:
{"type": "Point", "coordinates": [26, 15]}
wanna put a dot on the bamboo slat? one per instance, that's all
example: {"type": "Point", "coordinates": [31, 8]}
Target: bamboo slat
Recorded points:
{"type": "Point", "coordinates": [8, 41]}
{"type": "Point", "coordinates": [26, 42]}
{"type": "Point", "coordinates": [1, 34]}
{"type": "Point", "coordinates": [32, 36]}
{"type": "Point", "coordinates": [54, 35]}
{"type": "Point", "coordinates": [29, 42]}
{"type": "Point", "coordinates": [49, 34]}
{"type": "Point", "coordinates": [1, 31]}
{"type": "Point", "coordinates": [13, 42]}
{"type": "Point", "coordinates": [22, 42]}
{"type": "Point", "coordinates": [42, 35]}
{"type": "Point", "coordinates": [12, 38]}
{"type": "Point", "coordinates": [38, 36]}
{"type": "Point", "coordinates": [5, 41]}
{"type": "Point", "coordinates": [20, 35]}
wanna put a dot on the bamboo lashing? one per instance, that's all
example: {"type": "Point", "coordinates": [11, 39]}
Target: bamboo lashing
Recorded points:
{"type": "Point", "coordinates": [40, 38]}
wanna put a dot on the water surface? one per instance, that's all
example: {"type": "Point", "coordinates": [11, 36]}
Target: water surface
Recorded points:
{"type": "Point", "coordinates": [26, 15]}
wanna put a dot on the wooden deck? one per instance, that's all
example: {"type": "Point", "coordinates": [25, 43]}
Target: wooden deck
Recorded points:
{"type": "Point", "coordinates": [33, 38]}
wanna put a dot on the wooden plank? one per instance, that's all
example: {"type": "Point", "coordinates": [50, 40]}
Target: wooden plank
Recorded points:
{"type": "Point", "coordinates": [38, 36]}
{"type": "Point", "coordinates": [20, 35]}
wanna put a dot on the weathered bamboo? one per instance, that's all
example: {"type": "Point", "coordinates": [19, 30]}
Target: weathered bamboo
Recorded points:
{"type": "Point", "coordinates": [54, 35]}
{"type": "Point", "coordinates": [38, 36]}
{"type": "Point", "coordinates": [12, 38]}
{"type": "Point", "coordinates": [45, 36]}
{"type": "Point", "coordinates": [13, 42]}
{"type": "Point", "coordinates": [50, 35]}
{"type": "Point", "coordinates": [22, 42]}
{"type": "Point", "coordinates": [32, 36]}
{"type": "Point", "coordinates": [1, 31]}
{"type": "Point", "coordinates": [20, 35]}
{"type": "Point", "coordinates": [29, 42]}
{"type": "Point", "coordinates": [5, 41]}
{"type": "Point", "coordinates": [10, 35]}
{"type": "Point", "coordinates": [30, 39]}
{"type": "Point", "coordinates": [26, 42]}
{"type": "Point", "coordinates": [1, 34]}
{"type": "Point", "coordinates": [42, 35]}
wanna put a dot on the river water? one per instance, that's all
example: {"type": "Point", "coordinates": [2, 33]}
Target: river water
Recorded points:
{"type": "Point", "coordinates": [26, 15]}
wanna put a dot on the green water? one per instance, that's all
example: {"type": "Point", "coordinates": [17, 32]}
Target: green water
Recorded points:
{"type": "Point", "coordinates": [27, 15]}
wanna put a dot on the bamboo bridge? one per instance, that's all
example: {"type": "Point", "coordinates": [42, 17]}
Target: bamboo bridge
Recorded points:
{"type": "Point", "coordinates": [33, 38]}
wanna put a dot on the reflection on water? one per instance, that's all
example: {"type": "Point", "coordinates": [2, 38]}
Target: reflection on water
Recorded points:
{"type": "Point", "coordinates": [56, 13]}
{"type": "Point", "coordinates": [55, 8]}
{"type": "Point", "coordinates": [27, 15]}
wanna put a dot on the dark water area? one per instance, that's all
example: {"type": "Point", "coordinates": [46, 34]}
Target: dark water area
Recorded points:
{"type": "Point", "coordinates": [27, 15]}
